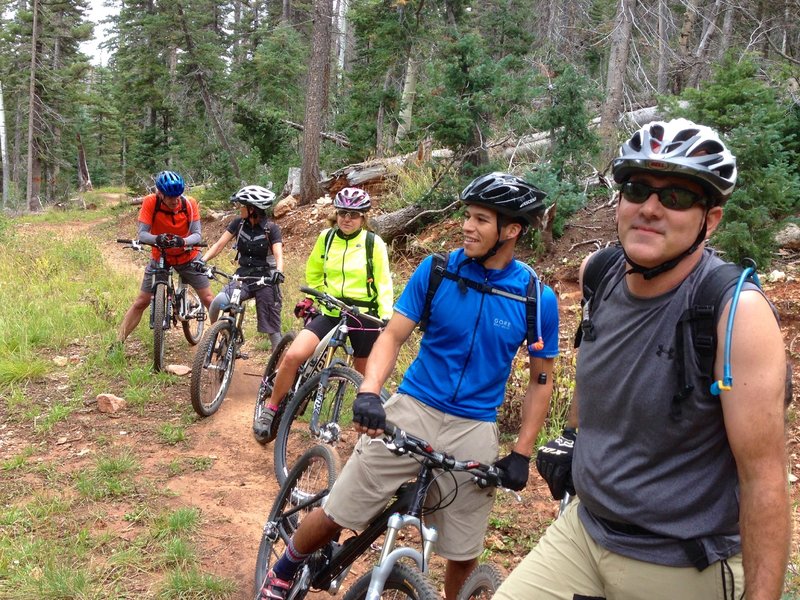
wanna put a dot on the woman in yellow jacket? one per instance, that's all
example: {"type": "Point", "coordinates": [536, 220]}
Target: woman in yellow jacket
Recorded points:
{"type": "Point", "coordinates": [338, 265]}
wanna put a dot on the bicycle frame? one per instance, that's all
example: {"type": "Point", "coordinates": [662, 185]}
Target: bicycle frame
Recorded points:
{"type": "Point", "coordinates": [329, 567]}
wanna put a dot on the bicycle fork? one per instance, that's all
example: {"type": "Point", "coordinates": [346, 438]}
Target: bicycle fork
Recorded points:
{"type": "Point", "coordinates": [391, 555]}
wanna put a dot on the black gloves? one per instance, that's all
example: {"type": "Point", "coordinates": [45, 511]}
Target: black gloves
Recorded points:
{"type": "Point", "coordinates": [277, 277]}
{"type": "Point", "coordinates": [515, 468]}
{"type": "Point", "coordinates": [199, 265]}
{"type": "Point", "coordinates": [554, 463]}
{"type": "Point", "coordinates": [169, 240]}
{"type": "Point", "coordinates": [302, 307]}
{"type": "Point", "coordinates": [368, 411]}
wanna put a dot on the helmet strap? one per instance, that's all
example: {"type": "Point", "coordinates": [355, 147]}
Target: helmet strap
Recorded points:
{"type": "Point", "coordinates": [651, 272]}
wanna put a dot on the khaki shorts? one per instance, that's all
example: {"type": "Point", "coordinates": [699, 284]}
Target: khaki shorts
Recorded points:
{"type": "Point", "coordinates": [567, 564]}
{"type": "Point", "coordinates": [373, 474]}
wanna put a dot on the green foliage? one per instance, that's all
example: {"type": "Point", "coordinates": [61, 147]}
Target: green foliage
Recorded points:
{"type": "Point", "coordinates": [761, 128]}
{"type": "Point", "coordinates": [567, 118]}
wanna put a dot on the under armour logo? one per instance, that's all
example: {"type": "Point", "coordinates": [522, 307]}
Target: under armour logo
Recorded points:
{"type": "Point", "coordinates": [670, 352]}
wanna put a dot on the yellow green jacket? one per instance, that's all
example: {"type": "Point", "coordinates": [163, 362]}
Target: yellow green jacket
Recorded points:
{"type": "Point", "coordinates": [343, 273]}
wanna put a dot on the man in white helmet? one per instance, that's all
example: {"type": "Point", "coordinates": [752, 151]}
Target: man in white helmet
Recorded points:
{"type": "Point", "coordinates": [681, 486]}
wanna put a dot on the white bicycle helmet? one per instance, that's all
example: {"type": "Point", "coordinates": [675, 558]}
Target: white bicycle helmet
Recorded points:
{"type": "Point", "coordinates": [255, 196]}
{"type": "Point", "coordinates": [351, 198]}
{"type": "Point", "coordinates": [679, 147]}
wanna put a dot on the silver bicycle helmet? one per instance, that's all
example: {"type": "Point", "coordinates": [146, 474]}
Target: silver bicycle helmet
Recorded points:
{"type": "Point", "coordinates": [351, 198]}
{"type": "Point", "coordinates": [679, 147]}
{"type": "Point", "coordinates": [255, 196]}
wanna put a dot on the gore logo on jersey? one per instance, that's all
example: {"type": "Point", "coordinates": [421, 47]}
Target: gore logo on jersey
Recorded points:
{"type": "Point", "coordinates": [501, 323]}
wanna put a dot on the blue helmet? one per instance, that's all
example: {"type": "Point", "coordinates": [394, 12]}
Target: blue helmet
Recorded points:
{"type": "Point", "coordinates": [170, 183]}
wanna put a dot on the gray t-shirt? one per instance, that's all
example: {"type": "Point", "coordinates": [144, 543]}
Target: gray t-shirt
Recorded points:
{"type": "Point", "coordinates": [635, 465]}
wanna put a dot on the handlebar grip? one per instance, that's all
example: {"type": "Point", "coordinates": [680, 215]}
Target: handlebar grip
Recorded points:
{"type": "Point", "coordinates": [310, 291]}
{"type": "Point", "coordinates": [122, 241]}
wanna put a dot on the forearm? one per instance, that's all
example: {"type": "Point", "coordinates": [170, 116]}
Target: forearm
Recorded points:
{"type": "Point", "coordinates": [194, 236]}
{"type": "Point", "coordinates": [380, 364]}
{"type": "Point", "coordinates": [534, 413]}
{"type": "Point", "coordinates": [277, 251]}
{"type": "Point", "coordinates": [145, 235]}
{"type": "Point", "coordinates": [766, 531]}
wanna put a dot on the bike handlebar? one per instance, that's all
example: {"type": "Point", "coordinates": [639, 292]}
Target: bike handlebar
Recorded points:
{"type": "Point", "coordinates": [212, 271]}
{"type": "Point", "coordinates": [332, 303]}
{"type": "Point", "coordinates": [400, 442]}
{"type": "Point", "coordinates": [137, 244]}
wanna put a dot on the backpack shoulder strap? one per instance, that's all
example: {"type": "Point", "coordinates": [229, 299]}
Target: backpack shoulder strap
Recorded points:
{"type": "Point", "coordinates": [598, 265]}
{"type": "Point", "coordinates": [438, 268]}
{"type": "Point", "coordinates": [369, 246]}
{"type": "Point", "coordinates": [696, 331]}
{"type": "Point", "coordinates": [533, 310]}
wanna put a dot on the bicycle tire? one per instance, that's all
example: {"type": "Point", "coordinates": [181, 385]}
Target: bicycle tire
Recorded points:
{"type": "Point", "coordinates": [335, 418]}
{"type": "Point", "coordinates": [265, 389]}
{"type": "Point", "coordinates": [212, 369]}
{"type": "Point", "coordinates": [160, 326]}
{"type": "Point", "coordinates": [316, 471]}
{"type": "Point", "coordinates": [482, 583]}
{"type": "Point", "coordinates": [194, 317]}
{"type": "Point", "coordinates": [404, 581]}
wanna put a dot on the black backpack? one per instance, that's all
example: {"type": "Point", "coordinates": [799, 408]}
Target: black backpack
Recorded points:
{"type": "Point", "coordinates": [696, 330]}
{"type": "Point", "coordinates": [439, 271]}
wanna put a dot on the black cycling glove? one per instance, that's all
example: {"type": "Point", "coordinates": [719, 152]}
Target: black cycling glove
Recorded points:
{"type": "Point", "coordinates": [368, 411]}
{"type": "Point", "coordinates": [199, 265]}
{"type": "Point", "coordinates": [163, 240]}
{"type": "Point", "coordinates": [277, 277]}
{"type": "Point", "coordinates": [515, 469]}
{"type": "Point", "coordinates": [554, 463]}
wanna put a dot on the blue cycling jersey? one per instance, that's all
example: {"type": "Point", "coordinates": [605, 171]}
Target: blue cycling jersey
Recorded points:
{"type": "Point", "coordinates": [467, 349]}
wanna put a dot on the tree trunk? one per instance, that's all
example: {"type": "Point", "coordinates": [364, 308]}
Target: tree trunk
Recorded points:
{"type": "Point", "coordinates": [4, 151]}
{"type": "Point", "coordinates": [315, 101]}
{"type": "Point", "coordinates": [286, 13]}
{"type": "Point", "coordinates": [34, 104]}
{"type": "Point", "coordinates": [727, 30]}
{"type": "Point", "coordinates": [341, 38]}
{"type": "Point", "coordinates": [662, 76]}
{"type": "Point", "coordinates": [689, 20]}
{"type": "Point", "coordinates": [617, 66]}
{"type": "Point", "coordinates": [705, 41]}
{"type": "Point", "coordinates": [84, 180]}
{"type": "Point", "coordinates": [380, 120]}
{"type": "Point", "coordinates": [407, 102]}
{"type": "Point", "coordinates": [205, 94]}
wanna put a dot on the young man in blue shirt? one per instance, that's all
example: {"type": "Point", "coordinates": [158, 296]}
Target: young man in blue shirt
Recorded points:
{"type": "Point", "coordinates": [450, 394]}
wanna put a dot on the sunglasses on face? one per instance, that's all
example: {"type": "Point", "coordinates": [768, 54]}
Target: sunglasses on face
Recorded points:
{"type": "Point", "coordinates": [353, 214]}
{"type": "Point", "coordinates": [673, 198]}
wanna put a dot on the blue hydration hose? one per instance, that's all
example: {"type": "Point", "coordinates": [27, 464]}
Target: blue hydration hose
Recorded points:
{"type": "Point", "coordinates": [726, 383]}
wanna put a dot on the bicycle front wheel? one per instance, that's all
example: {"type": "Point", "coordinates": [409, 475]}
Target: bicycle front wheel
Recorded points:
{"type": "Point", "coordinates": [195, 317]}
{"type": "Point", "coordinates": [212, 369]}
{"type": "Point", "coordinates": [321, 412]}
{"type": "Point", "coordinates": [160, 326]}
{"type": "Point", "coordinates": [482, 583]}
{"type": "Point", "coordinates": [303, 490]}
{"type": "Point", "coordinates": [265, 389]}
{"type": "Point", "coordinates": [404, 582]}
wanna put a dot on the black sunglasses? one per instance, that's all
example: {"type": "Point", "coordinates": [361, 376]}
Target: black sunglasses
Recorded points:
{"type": "Point", "coordinates": [673, 198]}
{"type": "Point", "coordinates": [353, 214]}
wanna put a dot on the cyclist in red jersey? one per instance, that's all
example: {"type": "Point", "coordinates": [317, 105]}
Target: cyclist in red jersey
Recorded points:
{"type": "Point", "coordinates": [172, 220]}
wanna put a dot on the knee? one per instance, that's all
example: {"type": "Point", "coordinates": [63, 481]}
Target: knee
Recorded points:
{"type": "Point", "coordinates": [141, 303]}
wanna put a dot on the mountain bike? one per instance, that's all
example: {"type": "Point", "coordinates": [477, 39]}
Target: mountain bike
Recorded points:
{"type": "Point", "coordinates": [171, 303]}
{"type": "Point", "coordinates": [327, 568]}
{"type": "Point", "coordinates": [326, 385]}
{"type": "Point", "coordinates": [215, 359]}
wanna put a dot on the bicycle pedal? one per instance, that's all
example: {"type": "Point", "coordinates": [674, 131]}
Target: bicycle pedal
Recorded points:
{"type": "Point", "coordinates": [242, 356]}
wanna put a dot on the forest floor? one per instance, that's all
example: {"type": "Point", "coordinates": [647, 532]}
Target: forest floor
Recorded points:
{"type": "Point", "coordinates": [234, 494]}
